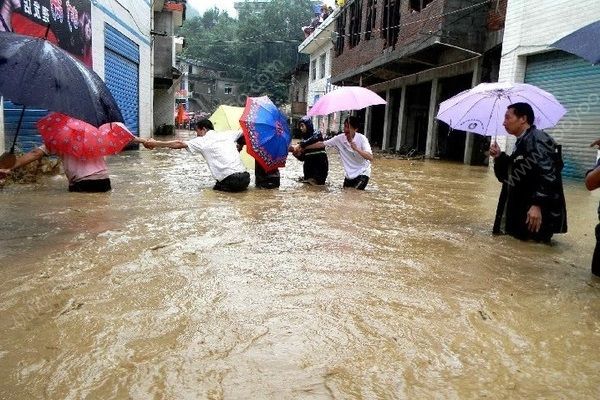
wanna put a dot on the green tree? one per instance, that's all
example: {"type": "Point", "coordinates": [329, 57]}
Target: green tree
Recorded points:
{"type": "Point", "coordinates": [260, 47]}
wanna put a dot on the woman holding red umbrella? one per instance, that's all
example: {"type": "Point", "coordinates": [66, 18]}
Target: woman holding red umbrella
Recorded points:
{"type": "Point", "coordinates": [81, 148]}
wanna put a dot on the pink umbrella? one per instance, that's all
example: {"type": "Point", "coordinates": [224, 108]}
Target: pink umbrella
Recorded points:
{"type": "Point", "coordinates": [66, 135]}
{"type": "Point", "coordinates": [345, 98]}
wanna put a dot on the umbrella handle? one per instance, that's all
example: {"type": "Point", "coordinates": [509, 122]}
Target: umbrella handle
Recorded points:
{"type": "Point", "coordinates": [12, 148]}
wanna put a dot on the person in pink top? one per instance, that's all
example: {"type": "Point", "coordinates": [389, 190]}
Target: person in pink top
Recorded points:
{"type": "Point", "coordinates": [89, 176]}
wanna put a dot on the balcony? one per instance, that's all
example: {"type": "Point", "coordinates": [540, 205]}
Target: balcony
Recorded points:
{"type": "Point", "coordinates": [411, 40]}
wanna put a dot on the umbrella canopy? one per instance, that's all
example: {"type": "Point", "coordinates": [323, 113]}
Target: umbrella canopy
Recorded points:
{"type": "Point", "coordinates": [583, 43]}
{"type": "Point", "coordinates": [36, 73]}
{"type": "Point", "coordinates": [226, 118]}
{"type": "Point", "coordinates": [266, 132]}
{"type": "Point", "coordinates": [65, 135]}
{"type": "Point", "coordinates": [481, 109]}
{"type": "Point", "coordinates": [345, 98]}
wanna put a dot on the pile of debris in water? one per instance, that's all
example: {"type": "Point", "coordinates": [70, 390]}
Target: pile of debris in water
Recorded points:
{"type": "Point", "coordinates": [30, 173]}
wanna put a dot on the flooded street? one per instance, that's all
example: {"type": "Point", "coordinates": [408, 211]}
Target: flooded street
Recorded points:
{"type": "Point", "coordinates": [164, 288]}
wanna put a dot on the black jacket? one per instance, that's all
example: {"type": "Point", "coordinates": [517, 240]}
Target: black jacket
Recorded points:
{"type": "Point", "coordinates": [531, 175]}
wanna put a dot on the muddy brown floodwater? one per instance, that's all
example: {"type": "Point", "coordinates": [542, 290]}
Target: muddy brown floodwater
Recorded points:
{"type": "Point", "coordinates": [165, 289]}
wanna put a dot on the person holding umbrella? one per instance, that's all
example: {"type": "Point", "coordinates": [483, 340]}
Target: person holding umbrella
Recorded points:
{"type": "Point", "coordinates": [355, 152]}
{"type": "Point", "coordinates": [532, 201]}
{"type": "Point", "coordinates": [85, 176]}
{"type": "Point", "coordinates": [219, 149]}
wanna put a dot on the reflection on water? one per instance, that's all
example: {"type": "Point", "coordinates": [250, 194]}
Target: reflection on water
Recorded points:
{"type": "Point", "coordinates": [164, 288]}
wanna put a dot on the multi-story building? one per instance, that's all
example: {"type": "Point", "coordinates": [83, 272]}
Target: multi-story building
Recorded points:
{"type": "Point", "coordinates": [417, 53]}
{"type": "Point", "coordinates": [168, 15]}
{"type": "Point", "coordinates": [206, 87]}
{"type": "Point", "coordinates": [527, 56]}
{"type": "Point", "coordinates": [298, 92]}
{"type": "Point", "coordinates": [319, 45]}
{"type": "Point", "coordinates": [112, 39]}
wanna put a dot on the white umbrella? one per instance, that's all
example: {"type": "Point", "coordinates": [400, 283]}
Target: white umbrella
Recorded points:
{"type": "Point", "coordinates": [481, 109]}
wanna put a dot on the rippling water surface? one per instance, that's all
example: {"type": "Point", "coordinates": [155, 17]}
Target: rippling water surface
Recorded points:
{"type": "Point", "coordinates": [164, 288]}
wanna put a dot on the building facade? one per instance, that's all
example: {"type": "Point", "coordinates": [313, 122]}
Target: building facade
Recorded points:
{"type": "Point", "coordinates": [167, 15]}
{"type": "Point", "coordinates": [203, 88]}
{"type": "Point", "coordinates": [528, 57]}
{"type": "Point", "coordinates": [415, 54]}
{"type": "Point", "coordinates": [112, 40]}
{"type": "Point", "coordinates": [319, 46]}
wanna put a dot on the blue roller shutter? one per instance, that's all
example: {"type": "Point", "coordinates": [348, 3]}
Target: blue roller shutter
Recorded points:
{"type": "Point", "coordinates": [121, 74]}
{"type": "Point", "coordinates": [29, 137]}
{"type": "Point", "coordinates": [576, 84]}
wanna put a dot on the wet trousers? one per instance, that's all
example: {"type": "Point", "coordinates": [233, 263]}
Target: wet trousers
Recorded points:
{"type": "Point", "coordinates": [91, 186]}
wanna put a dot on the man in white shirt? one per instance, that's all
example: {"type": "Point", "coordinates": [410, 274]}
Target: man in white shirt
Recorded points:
{"type": "Point", "coordinates": [220, 152]}
{"type": "Point", "coordinates": [355, 152]}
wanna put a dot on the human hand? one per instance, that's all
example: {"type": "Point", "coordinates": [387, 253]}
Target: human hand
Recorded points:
{"type": "Point", "coordinates": [534, 219]}
{"type": "Point", "coordinates": [298, 150]}
{"type": "Point", "coordinates": [353, 145]}
{"type": "Point", "coordinates": [596, 143]}
{"type": "Point", "coordinates": [495, 150]}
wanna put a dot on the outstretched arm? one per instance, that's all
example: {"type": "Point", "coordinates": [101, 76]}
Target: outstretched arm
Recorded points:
{"type": "Point", "coordinates": [25, 159]}
{"type": "Point", "coordinates": [170, 144]}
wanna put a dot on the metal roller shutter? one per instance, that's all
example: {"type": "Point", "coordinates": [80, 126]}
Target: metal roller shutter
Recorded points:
{"type": "Point", "coordinates": [29, 138]}
{"type": "Point", "coordinates": [121, 74]}
{"type": "Point", "coordinates": [576, 84]}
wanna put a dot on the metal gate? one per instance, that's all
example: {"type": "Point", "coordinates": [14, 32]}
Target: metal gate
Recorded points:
{"type": "Point", "coordinates": [121, 74]}
{"type": "Point", "coordinates": [576, 84]}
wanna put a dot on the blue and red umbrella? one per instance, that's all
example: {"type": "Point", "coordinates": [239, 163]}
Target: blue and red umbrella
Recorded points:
{"type": "Point", "coordinates": [266, 132]}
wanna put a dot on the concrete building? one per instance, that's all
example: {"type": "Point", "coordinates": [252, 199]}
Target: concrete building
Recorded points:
{"type": "Point", "coordinates": [319, 46]}
{"type": "Point", "coordinates": [298, 92]}
{"type": "Point", "coordinates": [417, 53]}
{"type": "Point", "coordinates": [168, 15]}
{"type": "Point", "coordinates": [119, 51]}
{"type": "Point", "coordinates": [206, 87]}
{"type": "Point", "coordinates": [531, 26]}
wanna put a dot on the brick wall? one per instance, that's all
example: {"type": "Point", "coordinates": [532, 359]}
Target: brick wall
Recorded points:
{"type": "Point", "coordinates": [497, 15]}
{"type": "Point", "coordinates": [415, 29]}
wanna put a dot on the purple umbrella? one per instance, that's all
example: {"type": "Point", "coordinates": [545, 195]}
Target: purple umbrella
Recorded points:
{"type": "Point", "coordinates": [481, 109]}
{"type": "Point", "coordinates": [345, 98]}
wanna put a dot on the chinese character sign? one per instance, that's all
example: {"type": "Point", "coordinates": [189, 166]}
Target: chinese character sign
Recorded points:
{"type": "Point", "coordinates": [69, 22]}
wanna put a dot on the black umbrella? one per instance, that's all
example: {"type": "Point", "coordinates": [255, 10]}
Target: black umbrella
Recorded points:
{"type": "Point", "coordinates": [583, 43]}
{"type": "Point", "coordinates": [36, 73]}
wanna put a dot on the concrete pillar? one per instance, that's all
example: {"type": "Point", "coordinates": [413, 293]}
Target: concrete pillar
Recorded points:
{"type": "Point", "coordinates": [431, 125]}
{"type": "Point", "coordinates": [469, 139]}
{"type": "Point", "coordinates": [367, 132]}
{"type": "Point", "coordinates": [387, 120]}
{"type": "Point", "coordinates": [401, 112]}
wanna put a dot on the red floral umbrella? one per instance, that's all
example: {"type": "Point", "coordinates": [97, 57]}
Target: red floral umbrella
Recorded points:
{"type": "Point", "coordinates": [66, 135]}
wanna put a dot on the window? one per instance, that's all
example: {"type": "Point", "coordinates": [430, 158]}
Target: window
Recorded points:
{"type": "Point", "coordinates": [371, 18]}
{"type": "Point", "coordinates": [340, 29]}
{"type": "Point", "coordinates": [391, 22]}
{"type": "Point", "coordinates": [190, 69]}
{"type": "Point", "coordinates": [228, 90]}
{"type": "Point", "coordinates": [355, 23]}
{"type": "Point", "coordinates": [322, 61]}
{"type": "Point", "coordinates": [313, 70]}
{"type": "Point", "coordinates": [418, 5]}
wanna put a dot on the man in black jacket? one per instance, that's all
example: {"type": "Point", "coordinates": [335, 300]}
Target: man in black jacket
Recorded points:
{"type": "Point", "coordinates": [532, 201]}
